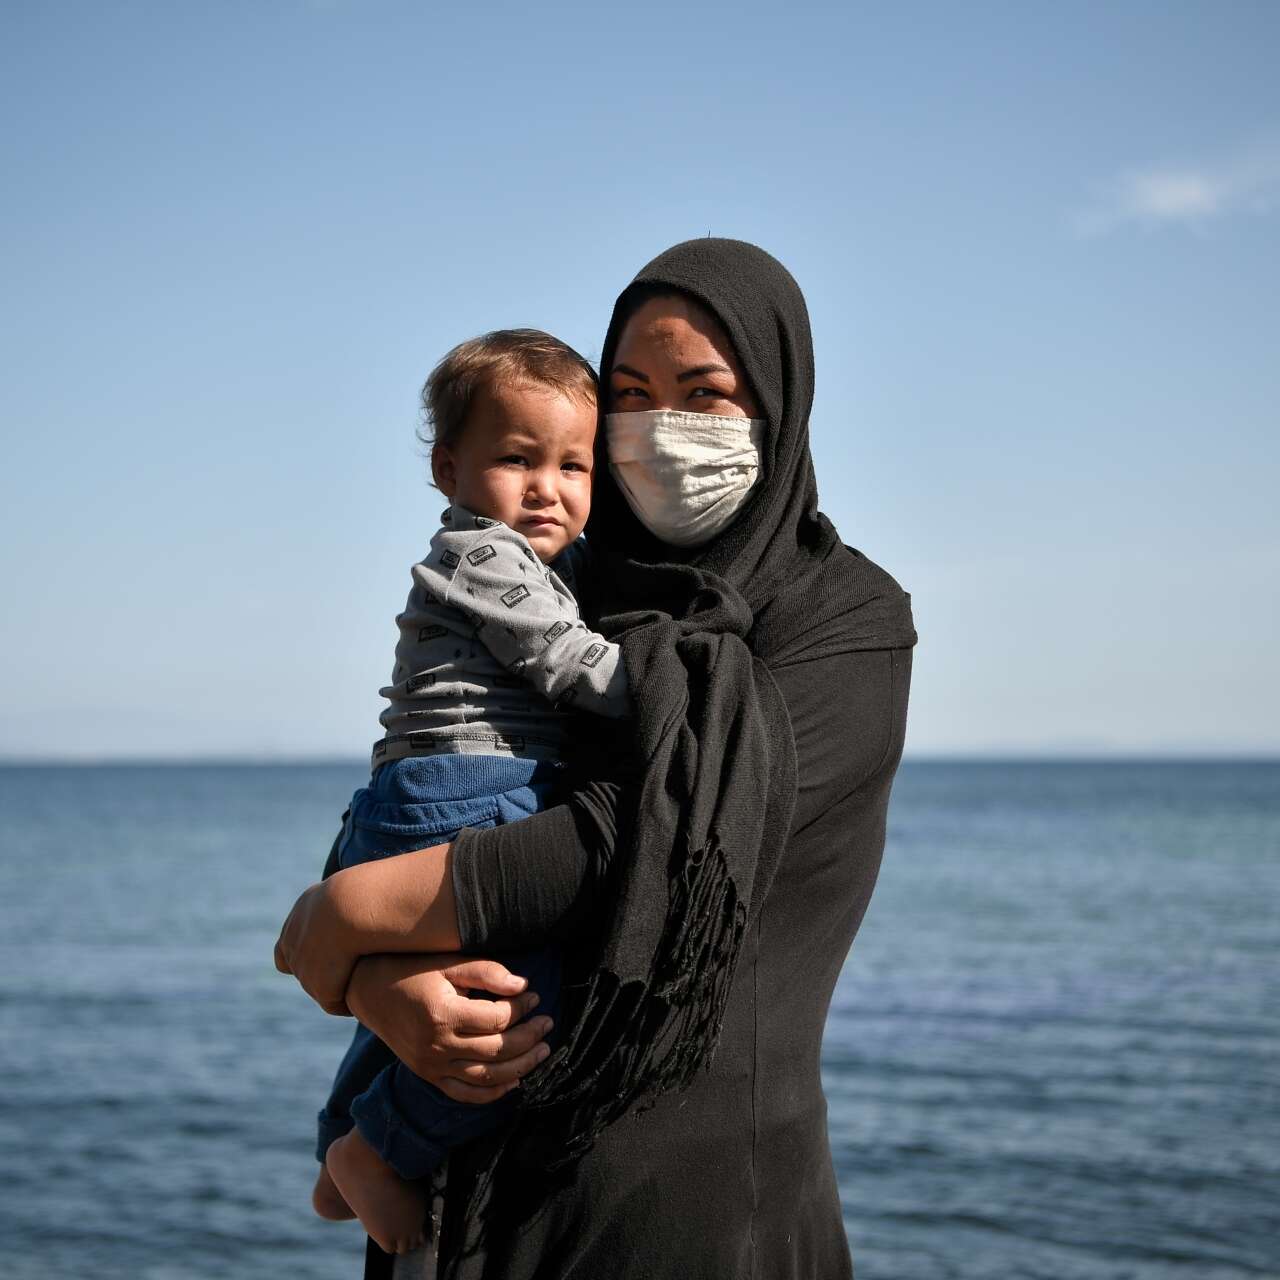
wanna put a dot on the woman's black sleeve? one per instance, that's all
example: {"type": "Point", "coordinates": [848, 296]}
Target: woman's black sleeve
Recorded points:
{"type": "Point", "coordinates": [544, 878]}
{"type": "Point", "coordinates": [536, 880]}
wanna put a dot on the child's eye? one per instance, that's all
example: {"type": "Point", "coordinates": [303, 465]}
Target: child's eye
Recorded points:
{"type": "Point", "coordinates": [514, 459]}
{"type": "Point", "coordinates": [572, 466]}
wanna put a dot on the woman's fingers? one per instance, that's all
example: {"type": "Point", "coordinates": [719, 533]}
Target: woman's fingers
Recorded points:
{"type": "Point", "coordinates": [485, 1017]}
{"type": "Point", "coordinates": [486, 975]}
{"type": "Point", "coordinates": [504, 1046]}
{"type": "Point", "coordinates": [495, 1073]}
{"type": "Point", "coordinates": [461, 1091]}
{"type": "Point", "coordinates": [468, 1048]}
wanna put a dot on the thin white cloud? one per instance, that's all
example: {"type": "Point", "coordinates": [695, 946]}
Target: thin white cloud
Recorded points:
{"type": "Point", "coordinates": [1187, 196]}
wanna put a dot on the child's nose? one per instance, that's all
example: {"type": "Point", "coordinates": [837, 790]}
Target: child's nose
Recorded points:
{"type": "Point", "coordinates": [541, 484]}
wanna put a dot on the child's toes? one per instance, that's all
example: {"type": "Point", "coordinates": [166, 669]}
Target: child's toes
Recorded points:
{"type": "Point", "coordinates": [410, 1243]}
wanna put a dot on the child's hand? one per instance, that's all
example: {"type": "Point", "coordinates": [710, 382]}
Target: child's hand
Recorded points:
{"type": "Point", "coordinates": [315, 946]}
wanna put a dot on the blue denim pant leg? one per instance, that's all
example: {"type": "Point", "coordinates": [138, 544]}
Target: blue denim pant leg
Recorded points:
{"type": "Point", "coordinates": [410, 804]}
{"type": "Point", "coordinates": [411, 1124]}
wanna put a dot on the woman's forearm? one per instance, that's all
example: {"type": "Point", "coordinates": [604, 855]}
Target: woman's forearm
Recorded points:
{"type": "Point", "coordinates": [400, 904]}
{"type": "Point", "coordinates": [542, 885]}
{"type": "Point", "coordinates": [520, 884]}
{"type": "Point", "coordinates": [405, 903]}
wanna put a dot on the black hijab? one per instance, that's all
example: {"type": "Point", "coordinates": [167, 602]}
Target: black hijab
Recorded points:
{"type": "Point", "coordinates": [781, 553]}
{"type": "Point", "coordinates": [699, 630]}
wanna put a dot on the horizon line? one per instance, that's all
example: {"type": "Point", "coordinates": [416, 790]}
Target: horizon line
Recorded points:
{"type": "Point", "coordinates": [1203, 755]}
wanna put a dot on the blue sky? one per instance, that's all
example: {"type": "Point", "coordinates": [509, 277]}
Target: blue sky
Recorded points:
{"type": "Point", "coordinates": [1040, 244]}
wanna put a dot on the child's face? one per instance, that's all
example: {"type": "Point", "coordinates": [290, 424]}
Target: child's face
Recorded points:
{"type": "Point", "coordinates": [524, 458]}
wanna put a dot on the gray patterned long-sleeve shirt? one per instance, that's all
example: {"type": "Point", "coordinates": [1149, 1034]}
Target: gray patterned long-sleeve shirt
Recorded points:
{"type": "Point", "coordinates": [492, 652]}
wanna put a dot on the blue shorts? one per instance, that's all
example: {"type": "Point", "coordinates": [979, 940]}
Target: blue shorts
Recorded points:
{"type": "Point", "coordinates": [412, 804]}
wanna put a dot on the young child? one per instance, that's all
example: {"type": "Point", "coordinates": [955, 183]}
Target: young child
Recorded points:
{"type": "Point", "coordinates": [491, 653]}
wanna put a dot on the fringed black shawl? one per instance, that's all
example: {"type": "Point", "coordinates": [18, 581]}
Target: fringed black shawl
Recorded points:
{"type": "Point", "coordinates": [697, 629]}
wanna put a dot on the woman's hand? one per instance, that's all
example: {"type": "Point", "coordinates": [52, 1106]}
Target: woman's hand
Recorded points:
{"type": "Point", "coordinates": [472, 1050]}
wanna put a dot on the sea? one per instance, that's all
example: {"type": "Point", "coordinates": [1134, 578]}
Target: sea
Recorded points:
{"type": "Point", "coordinates": [1054, 1051]}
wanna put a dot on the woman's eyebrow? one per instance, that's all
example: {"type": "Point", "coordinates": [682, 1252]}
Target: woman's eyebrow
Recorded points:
{"type": "Point", "coordinates": [630, 372]}
{"type": "Point", "coordinates": [700, 371]}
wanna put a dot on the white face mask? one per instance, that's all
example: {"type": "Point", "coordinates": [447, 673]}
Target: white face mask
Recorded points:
{"type": "Point", "coordinates": [685, 475]}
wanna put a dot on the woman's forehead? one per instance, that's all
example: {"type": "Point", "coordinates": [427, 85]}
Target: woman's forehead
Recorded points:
{"type": "Point", "coordinates": [675, 327]}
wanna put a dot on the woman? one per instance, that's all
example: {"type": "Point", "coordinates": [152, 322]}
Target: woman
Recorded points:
{"type": "Point", "coordinates": [708, 895]}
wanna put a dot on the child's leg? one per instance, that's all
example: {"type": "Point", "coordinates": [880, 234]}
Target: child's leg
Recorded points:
{"type": "Point", "coordinates": [392, 1209]}
{"type": "Point", "coordinates": [404, 1125]}
{"type": "Point", "coordinates": [407, 805]}
{"type": "Point", "coordinates": [412, 1124]}
{"type": "Point", "coordinates": [365, 1057]}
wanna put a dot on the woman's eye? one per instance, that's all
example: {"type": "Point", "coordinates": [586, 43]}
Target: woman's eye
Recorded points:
{"type": "Point", "coordinates": [706, 393]}
{"type": "Point", "coordinates": [622, 393]}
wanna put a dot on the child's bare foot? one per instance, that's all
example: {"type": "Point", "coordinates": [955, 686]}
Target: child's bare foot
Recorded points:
{"type": "Point", "coordinates": [390, 1209]}
{"type": "Point", "coordinates": [327, 1200]}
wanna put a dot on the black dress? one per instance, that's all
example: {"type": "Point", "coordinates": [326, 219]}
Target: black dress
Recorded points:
{"type": "Point", "coordinates": [732, 1177]}
{"type": "Point", "coordinates": [706, 906]}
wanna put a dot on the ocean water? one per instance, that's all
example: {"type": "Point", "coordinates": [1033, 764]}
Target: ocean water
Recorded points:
{"type": "Point", "coordinates": [1054, 1052]}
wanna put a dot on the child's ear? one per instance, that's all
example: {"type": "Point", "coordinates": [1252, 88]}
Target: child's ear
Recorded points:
{"type": "Point", "coordinates": [443, 471]}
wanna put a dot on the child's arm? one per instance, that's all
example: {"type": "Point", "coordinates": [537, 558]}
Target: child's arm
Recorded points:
{"type": "Point", "coordinates": [527, 618]}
